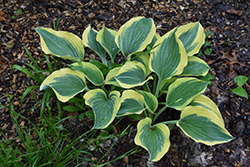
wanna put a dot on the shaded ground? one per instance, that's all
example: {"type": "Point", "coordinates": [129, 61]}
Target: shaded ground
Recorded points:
{"type": "Point", "coordinates": [226, 19]}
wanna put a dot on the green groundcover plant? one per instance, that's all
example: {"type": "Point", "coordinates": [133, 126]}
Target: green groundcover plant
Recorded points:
{"type": "Point", "coordinates": [240, 81]}
{"type": "Point", "coordinates": [115, 90]}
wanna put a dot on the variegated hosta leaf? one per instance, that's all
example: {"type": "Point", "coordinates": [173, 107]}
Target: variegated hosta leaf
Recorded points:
{"type": "Point", "coordinates": [105, 108]}
{"type": "Point", "coordinates": [192, 36]}
{"type": "Point", "coordinates": [150, 100]}
{"type": "Point", "coordinates": [106, 37]}
{"type": "Point", "coordinates": [142, 58]}
{"type": "Point", "coordinates": [135, 35]}
{"type": "Point", "coordinates": [61, 43]}
{"type": "Point", "coordinates": [203, 125]}
{"type": "Point", "coordinates": [195, 67]}
{"type": "Point", "coordinates": [132, 74]}
{"type": "Point", "coordinates": [169, 57]}
{"type": "Point", "coordinates": [89, 40]}
{"type": "Point", "coordinates": [131, 103]}
{"type": "Point", "coordinates": [183, 90]}
{"type": "Point", "coordinates": [206, 102]}
{"type": "Point", "coordinates": [66, 83]}
{"type": "Point", "coordinates": [166, 83]}
{"type": "Point", "coordinates": [156, 37]}
{"type": "Point", "coordinates": [90, 71]}
{"type": "Point", "coordinates": [110, 78]}
{"type": "Point", "coordinates": [155, 139]}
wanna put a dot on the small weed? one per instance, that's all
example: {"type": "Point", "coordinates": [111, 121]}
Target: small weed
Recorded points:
{"type": "Point", "coordinates": [208, 51]}
{"type": "Point", "coordinates": [228, 41]}
{"type": "Point", "coordinates": [19, 11]}
{"type": "Point", "coordinates": [208, 78]}
{"type": "Point", "coordinates": [240, 81]}
{"type": "Point", "coordinates": [208, 33]}
{"type": "Point", "coordinates": [206, 46]}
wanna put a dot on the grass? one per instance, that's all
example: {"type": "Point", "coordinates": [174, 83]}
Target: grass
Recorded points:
{"type": "Point", "coordinates": [45, 144]}
{"type": "Point", "coordinates": [48, 143]}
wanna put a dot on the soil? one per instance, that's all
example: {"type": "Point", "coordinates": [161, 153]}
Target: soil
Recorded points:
{"type": "Point", "coordinates": [228, 20]}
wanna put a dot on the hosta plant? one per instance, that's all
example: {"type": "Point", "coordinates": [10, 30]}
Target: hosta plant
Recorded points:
{"type": "Point", "coordinates": [155, 66]}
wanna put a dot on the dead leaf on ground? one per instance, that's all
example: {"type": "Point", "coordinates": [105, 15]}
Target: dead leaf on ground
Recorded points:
{"type": "Point", "coordinates": [10, 44]}
{"type": "Point", "coordinates": [235, 12]}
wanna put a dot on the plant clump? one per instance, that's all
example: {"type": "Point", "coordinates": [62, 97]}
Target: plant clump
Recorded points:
{"type": "Point", "coordinates": [114, 90]}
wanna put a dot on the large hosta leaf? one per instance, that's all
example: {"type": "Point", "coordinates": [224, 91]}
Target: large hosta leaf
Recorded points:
{"type": "Point", "coordinates": [66, 83]}
{"type": "Point", "coordinates": [105, 108]}
{"type": "Point", "coordinates": [89, 40]}
{"type": "Point", "coordinates": [110, 78]}
{"type": "Point", "coordinates": [150, 100]}
{"type": "Point", "coordinates": [155, 139]}
{"type": "Point", "coordinates": [91, 72]}
{"type": "Point", "coordinates": [106, 37]}
{"type": "Point", "coordinates": [132, 74]}
{"type": "Point", "coordinates": [135, 35]}
{"type": "Point", "coordinates": [183, 90]}
{"type": "Point", "coordinates": [168, 57]}
{"type": "Point", "coordinates": [143, 58]}
{"type": "Point", "coordinates": [166, 83]}
{"type": "Point", "coordinates": [62, 44]}
{"type": "Point", "coordinates": [203, 125]}
{"type": "Point", "coordinates": [156, 37]}
{"type": "Point", "coordinates": [206, 102]}
{"type": "Point", "coordinates": [131, 103]}
{"type": "Point", "coordinates": [192, 36]}
{"type": "Point", "coordinates": [195, 67]}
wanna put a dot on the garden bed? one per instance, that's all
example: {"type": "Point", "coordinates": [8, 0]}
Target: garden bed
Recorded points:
{"type": "Point", "coordinates": [228, 57]}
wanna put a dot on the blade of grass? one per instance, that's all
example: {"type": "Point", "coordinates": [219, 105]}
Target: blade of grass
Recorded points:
{"type": "Point", "coordinates": [128, 153]}
{"type": "Point", "coordinates": [27, 73]}
{"type": "Point", "coordinates": [59, 63]}
{"type": "Point", "coordinates": [31, 66]}
{"type": "Point", "coordinates": [35, 105]}
{"type": "Point", "coordinates": [121, 135]}
{"type": "Point", "coordinates": [60, 111]}
{"type": "Point", "coordinates": [55, 63]}
{"type": "Point", "coordinates": [48, 63]}
{"type": "Point", "coordinates": [55, 24]}
{"type": "Point", "coordinates": [34, 62]}
{"type": "Point", "coordinates": [27, 91]}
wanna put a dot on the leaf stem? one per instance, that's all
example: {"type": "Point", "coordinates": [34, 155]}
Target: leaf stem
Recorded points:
{"type": "Point", "coordinates": [104, 61]}
{"type": "Point", "coordinates": [146, 87]}
{"type": "Point", "coordinates": [170, 122]}
{"type": "Point", "coordinates": [154, 86]}
{"type": "Point", "coordinates": [158, 88]}
{"type": "Point", "coordinates": [145, 113]}
{"type": "Point", "coordinates": [150, 115]}
{"type": "Point", "coordinates": [159, 113]}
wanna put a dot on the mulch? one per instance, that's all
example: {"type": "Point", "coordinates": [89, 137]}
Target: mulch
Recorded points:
{"type": "Point", "coordinates": [228, 20]}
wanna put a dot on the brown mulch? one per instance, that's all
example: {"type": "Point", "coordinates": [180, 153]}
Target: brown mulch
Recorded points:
{"type": "Point", "coordinates": [226, 19]}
